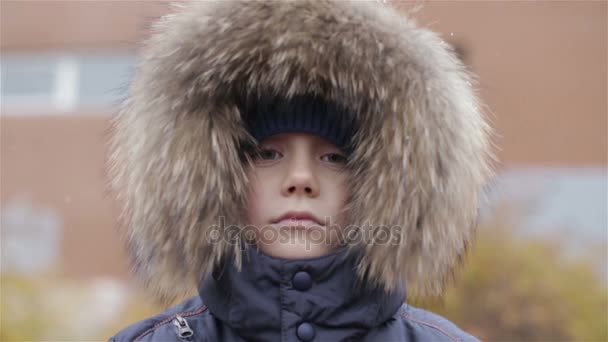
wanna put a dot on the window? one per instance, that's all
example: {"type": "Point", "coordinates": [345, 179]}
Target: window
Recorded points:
{"type": "Point", "coordinates": [63, 82]}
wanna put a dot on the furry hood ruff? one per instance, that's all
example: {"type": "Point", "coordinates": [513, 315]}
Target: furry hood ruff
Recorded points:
{"type": "Point", "coordinates": [421, 159]}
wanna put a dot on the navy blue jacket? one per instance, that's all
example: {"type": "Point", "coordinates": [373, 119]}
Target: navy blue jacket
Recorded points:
{"type": "Point", "coordinates": [275, 299]}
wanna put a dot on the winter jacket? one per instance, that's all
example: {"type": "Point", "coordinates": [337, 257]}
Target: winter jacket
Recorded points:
{"type": "Point", "coordinates": [274, 299]}
{"type": "Point", "coordinates": [420, 161]}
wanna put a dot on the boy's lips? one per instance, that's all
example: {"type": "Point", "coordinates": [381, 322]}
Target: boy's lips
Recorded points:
{"type": "Point", "coordinates": [297, 218]}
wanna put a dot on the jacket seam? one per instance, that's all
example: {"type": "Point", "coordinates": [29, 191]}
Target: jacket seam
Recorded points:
{"type": "Point", "coordinates": [171, 318]}
{"type": "Point", "coordinates": [406, 316]}
{"type": "Point", "coordinates": [282, 302]}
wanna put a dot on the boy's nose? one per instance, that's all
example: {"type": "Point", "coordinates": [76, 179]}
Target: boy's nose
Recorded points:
{"type": "Point", "coordinates": [300, 179]}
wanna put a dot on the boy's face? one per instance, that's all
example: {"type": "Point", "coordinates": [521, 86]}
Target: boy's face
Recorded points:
{"type": "Point", "coordinates": [297, 191]}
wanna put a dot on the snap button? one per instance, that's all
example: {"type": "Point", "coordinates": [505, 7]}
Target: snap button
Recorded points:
{"type": "Point", "coordinates": [301, 281]}
{"type": "Point", "coordinates": [305, 332]}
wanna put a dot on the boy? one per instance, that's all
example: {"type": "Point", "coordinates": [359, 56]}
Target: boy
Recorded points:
{"type": "Point", "coordinates": [299, 164]}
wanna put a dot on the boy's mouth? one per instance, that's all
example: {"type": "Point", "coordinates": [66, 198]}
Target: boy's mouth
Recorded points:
{"type": "Point", "coordinates": [298, 219]}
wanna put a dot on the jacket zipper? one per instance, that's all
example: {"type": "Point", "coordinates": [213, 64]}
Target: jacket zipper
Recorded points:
{"type": "Point", "coordinates": [183, 329]}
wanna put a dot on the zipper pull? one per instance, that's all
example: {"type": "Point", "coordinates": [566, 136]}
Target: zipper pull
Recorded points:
{"type": "Point", "coordinates": [183, 329]}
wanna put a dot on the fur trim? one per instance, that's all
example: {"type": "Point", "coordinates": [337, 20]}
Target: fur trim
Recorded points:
{"type": "Point", "coordinates": [421, 160]}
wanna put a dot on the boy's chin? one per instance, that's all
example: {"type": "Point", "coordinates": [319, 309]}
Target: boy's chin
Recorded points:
{"type": "Point", "coordinates": [296, 249]}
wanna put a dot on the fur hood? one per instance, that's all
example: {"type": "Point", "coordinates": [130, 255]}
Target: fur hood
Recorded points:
{"type": "Point", "coordinates": [421, 159]}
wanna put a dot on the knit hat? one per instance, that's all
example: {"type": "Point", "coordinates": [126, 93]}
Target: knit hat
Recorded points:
{"type": "Point", "coordinates": [267, 116]}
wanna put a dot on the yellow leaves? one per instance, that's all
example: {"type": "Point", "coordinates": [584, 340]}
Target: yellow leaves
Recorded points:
{"type": "Point", "coordinates": [45, 307]}
{"type": "Point", "coordinates": [523, 288]}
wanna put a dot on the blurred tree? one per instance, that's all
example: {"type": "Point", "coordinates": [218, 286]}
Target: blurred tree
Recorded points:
{"type": "Point", "coordinates": [516, 288]}
{"type": "Point", "coordinates": [46, 307]}
{"type": "Point", "coordinates": [18, 322]}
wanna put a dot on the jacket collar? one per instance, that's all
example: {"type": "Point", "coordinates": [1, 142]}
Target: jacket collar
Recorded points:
{"type": "Point", "coordinates": [265, 302]}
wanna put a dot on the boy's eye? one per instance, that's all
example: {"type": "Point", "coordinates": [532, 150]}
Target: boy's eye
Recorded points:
{"type": "Point", "coordinates": [334, 158]}
{"type": "Point", "coordinates": [267, 154]}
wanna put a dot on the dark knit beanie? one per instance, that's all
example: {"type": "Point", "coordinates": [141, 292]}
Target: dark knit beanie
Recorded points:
{"type": "Point", "coordinates": [268, 116]}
